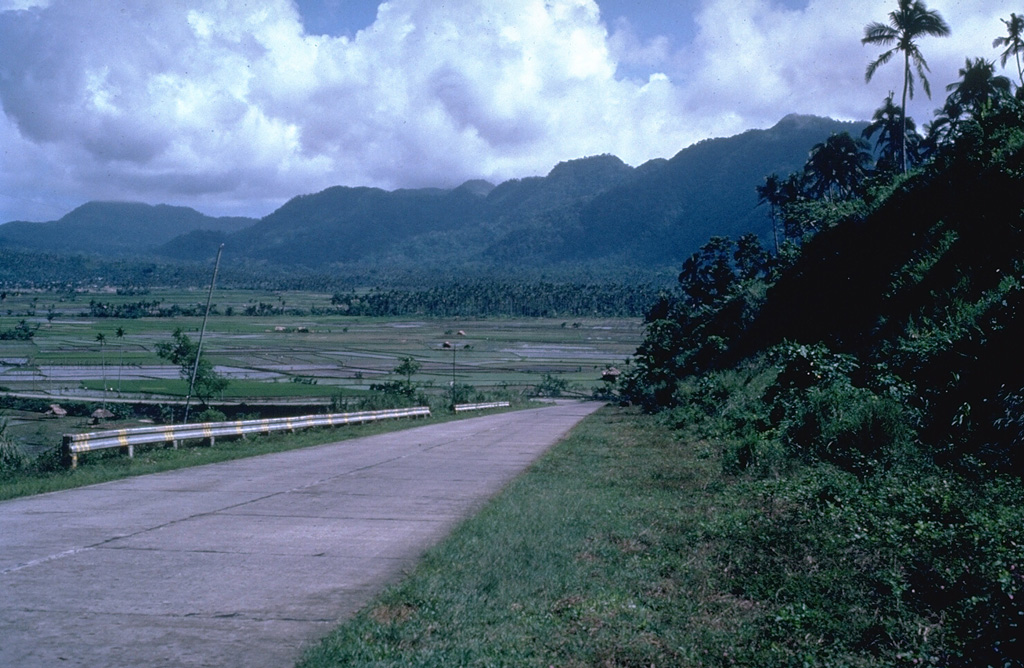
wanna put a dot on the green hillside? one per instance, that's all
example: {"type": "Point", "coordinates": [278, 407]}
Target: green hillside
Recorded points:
{"type": "Point", "coordinates": [864, 388]}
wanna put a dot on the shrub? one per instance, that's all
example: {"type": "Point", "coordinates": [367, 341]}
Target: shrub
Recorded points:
{"type": "Point", "coordinates": [211, 415]}
{"type": "Point", "coordinates": [820, 415]}
{"type": "Point", "coordinates": [550, 386]}
{"type": "Point", "coordinates": [12, 458]}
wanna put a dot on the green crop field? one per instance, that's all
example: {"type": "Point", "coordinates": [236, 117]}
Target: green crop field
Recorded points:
{"type": "Point", "coordinates": [75, 356]}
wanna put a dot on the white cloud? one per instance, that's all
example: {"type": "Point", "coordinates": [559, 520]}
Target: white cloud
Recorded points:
{"type": "Point", "coordinates": [753, 59]}
{"type": "Point", "coordinates": [232, 108]}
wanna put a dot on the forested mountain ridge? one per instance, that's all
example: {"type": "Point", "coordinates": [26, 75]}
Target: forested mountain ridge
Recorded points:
{"type": "Point", "coordinates": [590, 210]}
{"type": "Point", "coordinates": [706, 190]}
{"type": "Point", "coordinates": [586, 212]}
{"type": "Point", "coordinates": [114, 228]}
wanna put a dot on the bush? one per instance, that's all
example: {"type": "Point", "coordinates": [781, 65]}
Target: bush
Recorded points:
{"type": "Point", "coordinates": [820, 415]}
{"type": "Point", "coordinates": [211, 415]}
{"type": "Point", "coordinates": [550, 386]}
{"type": "Point", "coordinates": [12, 458]}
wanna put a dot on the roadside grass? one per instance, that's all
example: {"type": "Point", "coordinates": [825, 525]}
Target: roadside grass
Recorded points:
{"type": "Point", "coordinates": [49, 475]}
{"type": "Point", "coordinates": [597, 556]}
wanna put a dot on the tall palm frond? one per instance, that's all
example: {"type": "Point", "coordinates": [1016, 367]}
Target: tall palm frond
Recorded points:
{"type": "Point", "coordinates": [910, 21]}
{"type": "Point", "coordinates": [978, 88]}
{"type": "Point", "coordinates": [837, 167]}
{"type": "Point", "coordinates": [1014, 43]}
{"type": "Point", "coordinates": [769, 194]}
{"type": "Point", "coordinates": [887, 124]}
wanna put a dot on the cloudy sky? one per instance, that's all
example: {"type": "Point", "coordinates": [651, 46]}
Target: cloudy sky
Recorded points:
{"type": "Point", "coordinates": [234, 106]}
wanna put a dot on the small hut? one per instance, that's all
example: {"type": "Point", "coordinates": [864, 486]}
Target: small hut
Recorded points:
{"type": "Point", "coordinates": [101, 414]}
{"type": "Point", "coordinates": [57, 411]}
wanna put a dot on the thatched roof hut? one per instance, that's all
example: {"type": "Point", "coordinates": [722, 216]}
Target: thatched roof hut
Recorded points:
{"type": "Point", "coordinates": [101, 414]}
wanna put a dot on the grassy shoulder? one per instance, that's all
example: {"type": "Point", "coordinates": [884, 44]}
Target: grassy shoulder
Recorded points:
{"type": "Point", "coordinates": [681, 541]}
{"type": "Point", "coordinates": [594, 557]}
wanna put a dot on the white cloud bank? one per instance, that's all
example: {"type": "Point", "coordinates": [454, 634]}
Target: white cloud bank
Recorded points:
{"type": "Point", "coordinates": [230, 107]}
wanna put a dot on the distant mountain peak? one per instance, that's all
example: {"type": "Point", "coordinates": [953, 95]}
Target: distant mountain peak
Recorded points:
{"type": "Point", "coordinates": [591, 163]}
{"type": "Point", "coordinates": [806, 121]}
{"type": "Point", "coordinates": [477, 187]}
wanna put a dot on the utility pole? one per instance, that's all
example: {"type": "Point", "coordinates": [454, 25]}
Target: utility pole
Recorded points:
{"type": "Point", "coordinates": [199, 346]}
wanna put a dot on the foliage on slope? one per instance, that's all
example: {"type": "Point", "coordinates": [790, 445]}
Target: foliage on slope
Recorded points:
{"type": "Point", "coordinates": [866, 387]}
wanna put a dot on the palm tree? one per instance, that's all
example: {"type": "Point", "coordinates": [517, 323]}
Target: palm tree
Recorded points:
{"type": "Point", "coordinates": [1014, 43]}
{"type": "Point", "coordinates": [978, 89]}
{"type": "Point", "coordinates": [771, 193]}
{"type": "Point", "coordinates": [888, 124]}
{"type": "Point", "coordinates": [909, 22]}
{"type": "Point", "coordinates": [837, 166]}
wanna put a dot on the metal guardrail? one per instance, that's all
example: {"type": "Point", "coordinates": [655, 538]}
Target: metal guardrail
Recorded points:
{"type": "Point", "coordinates": [74, 444]}
{"type": "Point", "coordinates": [477, 407]}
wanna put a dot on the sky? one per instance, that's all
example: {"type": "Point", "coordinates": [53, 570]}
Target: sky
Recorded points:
{"type": "Point", "coordinates": [233, 107]}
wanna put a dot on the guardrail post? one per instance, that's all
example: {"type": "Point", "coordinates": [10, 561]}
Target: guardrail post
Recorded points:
{"type": "Point", "coordinates": [66, 454]}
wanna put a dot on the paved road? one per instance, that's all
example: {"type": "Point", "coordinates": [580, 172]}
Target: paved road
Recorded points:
{"type": "Point", "coordinates": [244, 563]}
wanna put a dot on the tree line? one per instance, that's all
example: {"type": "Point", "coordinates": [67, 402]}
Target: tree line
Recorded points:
{"type": "Point", "coordinates": [501, 299]}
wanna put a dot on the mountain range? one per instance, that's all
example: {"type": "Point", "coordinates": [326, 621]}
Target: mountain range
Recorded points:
{"type": "Point", "coordinates": [594, 211]}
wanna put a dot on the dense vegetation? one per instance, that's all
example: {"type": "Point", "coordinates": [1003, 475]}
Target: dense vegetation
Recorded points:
{"type": "Point", "coordinates": [864, 386]}
{"type": "Point", "coordinates": [502, 298]}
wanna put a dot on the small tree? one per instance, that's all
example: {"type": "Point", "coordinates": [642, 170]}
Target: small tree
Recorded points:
{"type": "Point", "coordinates": [407, 367]}
{"type": "Point", "coordinates": [181, 351]}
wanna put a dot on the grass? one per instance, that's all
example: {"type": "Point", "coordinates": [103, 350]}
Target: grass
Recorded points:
{"type": "Point", "coordinates": [594, 557]}
{"type": "Point", "coordinates": [637, 543]}
{"type": "Point", "coordinates": [292, 357]}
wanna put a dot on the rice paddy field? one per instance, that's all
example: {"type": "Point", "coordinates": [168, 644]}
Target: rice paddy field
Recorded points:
{"type": "Point", "coordinates": [290, 356]}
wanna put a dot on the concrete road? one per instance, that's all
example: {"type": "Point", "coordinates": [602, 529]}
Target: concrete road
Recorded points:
{"type": "Point", "coordinates": [245, 563]}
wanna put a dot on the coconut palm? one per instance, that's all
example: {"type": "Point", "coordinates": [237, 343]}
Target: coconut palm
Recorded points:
{"type": "Point", "coordinates": [911, 20]}
{"type": "Point", "coordinates": [771, 193]}
{"type": "Point", "coordinates": [978, 89]}
{"type": "Point", "coordinates": [837, 166]}
{"type": "Point", "coordinates": [1014, 43]}
{"type": "Point", "coordinates": [888, 124]}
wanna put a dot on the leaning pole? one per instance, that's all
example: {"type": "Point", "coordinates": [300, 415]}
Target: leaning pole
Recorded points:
{"type": "Point", "coordinates": [199, 346]}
